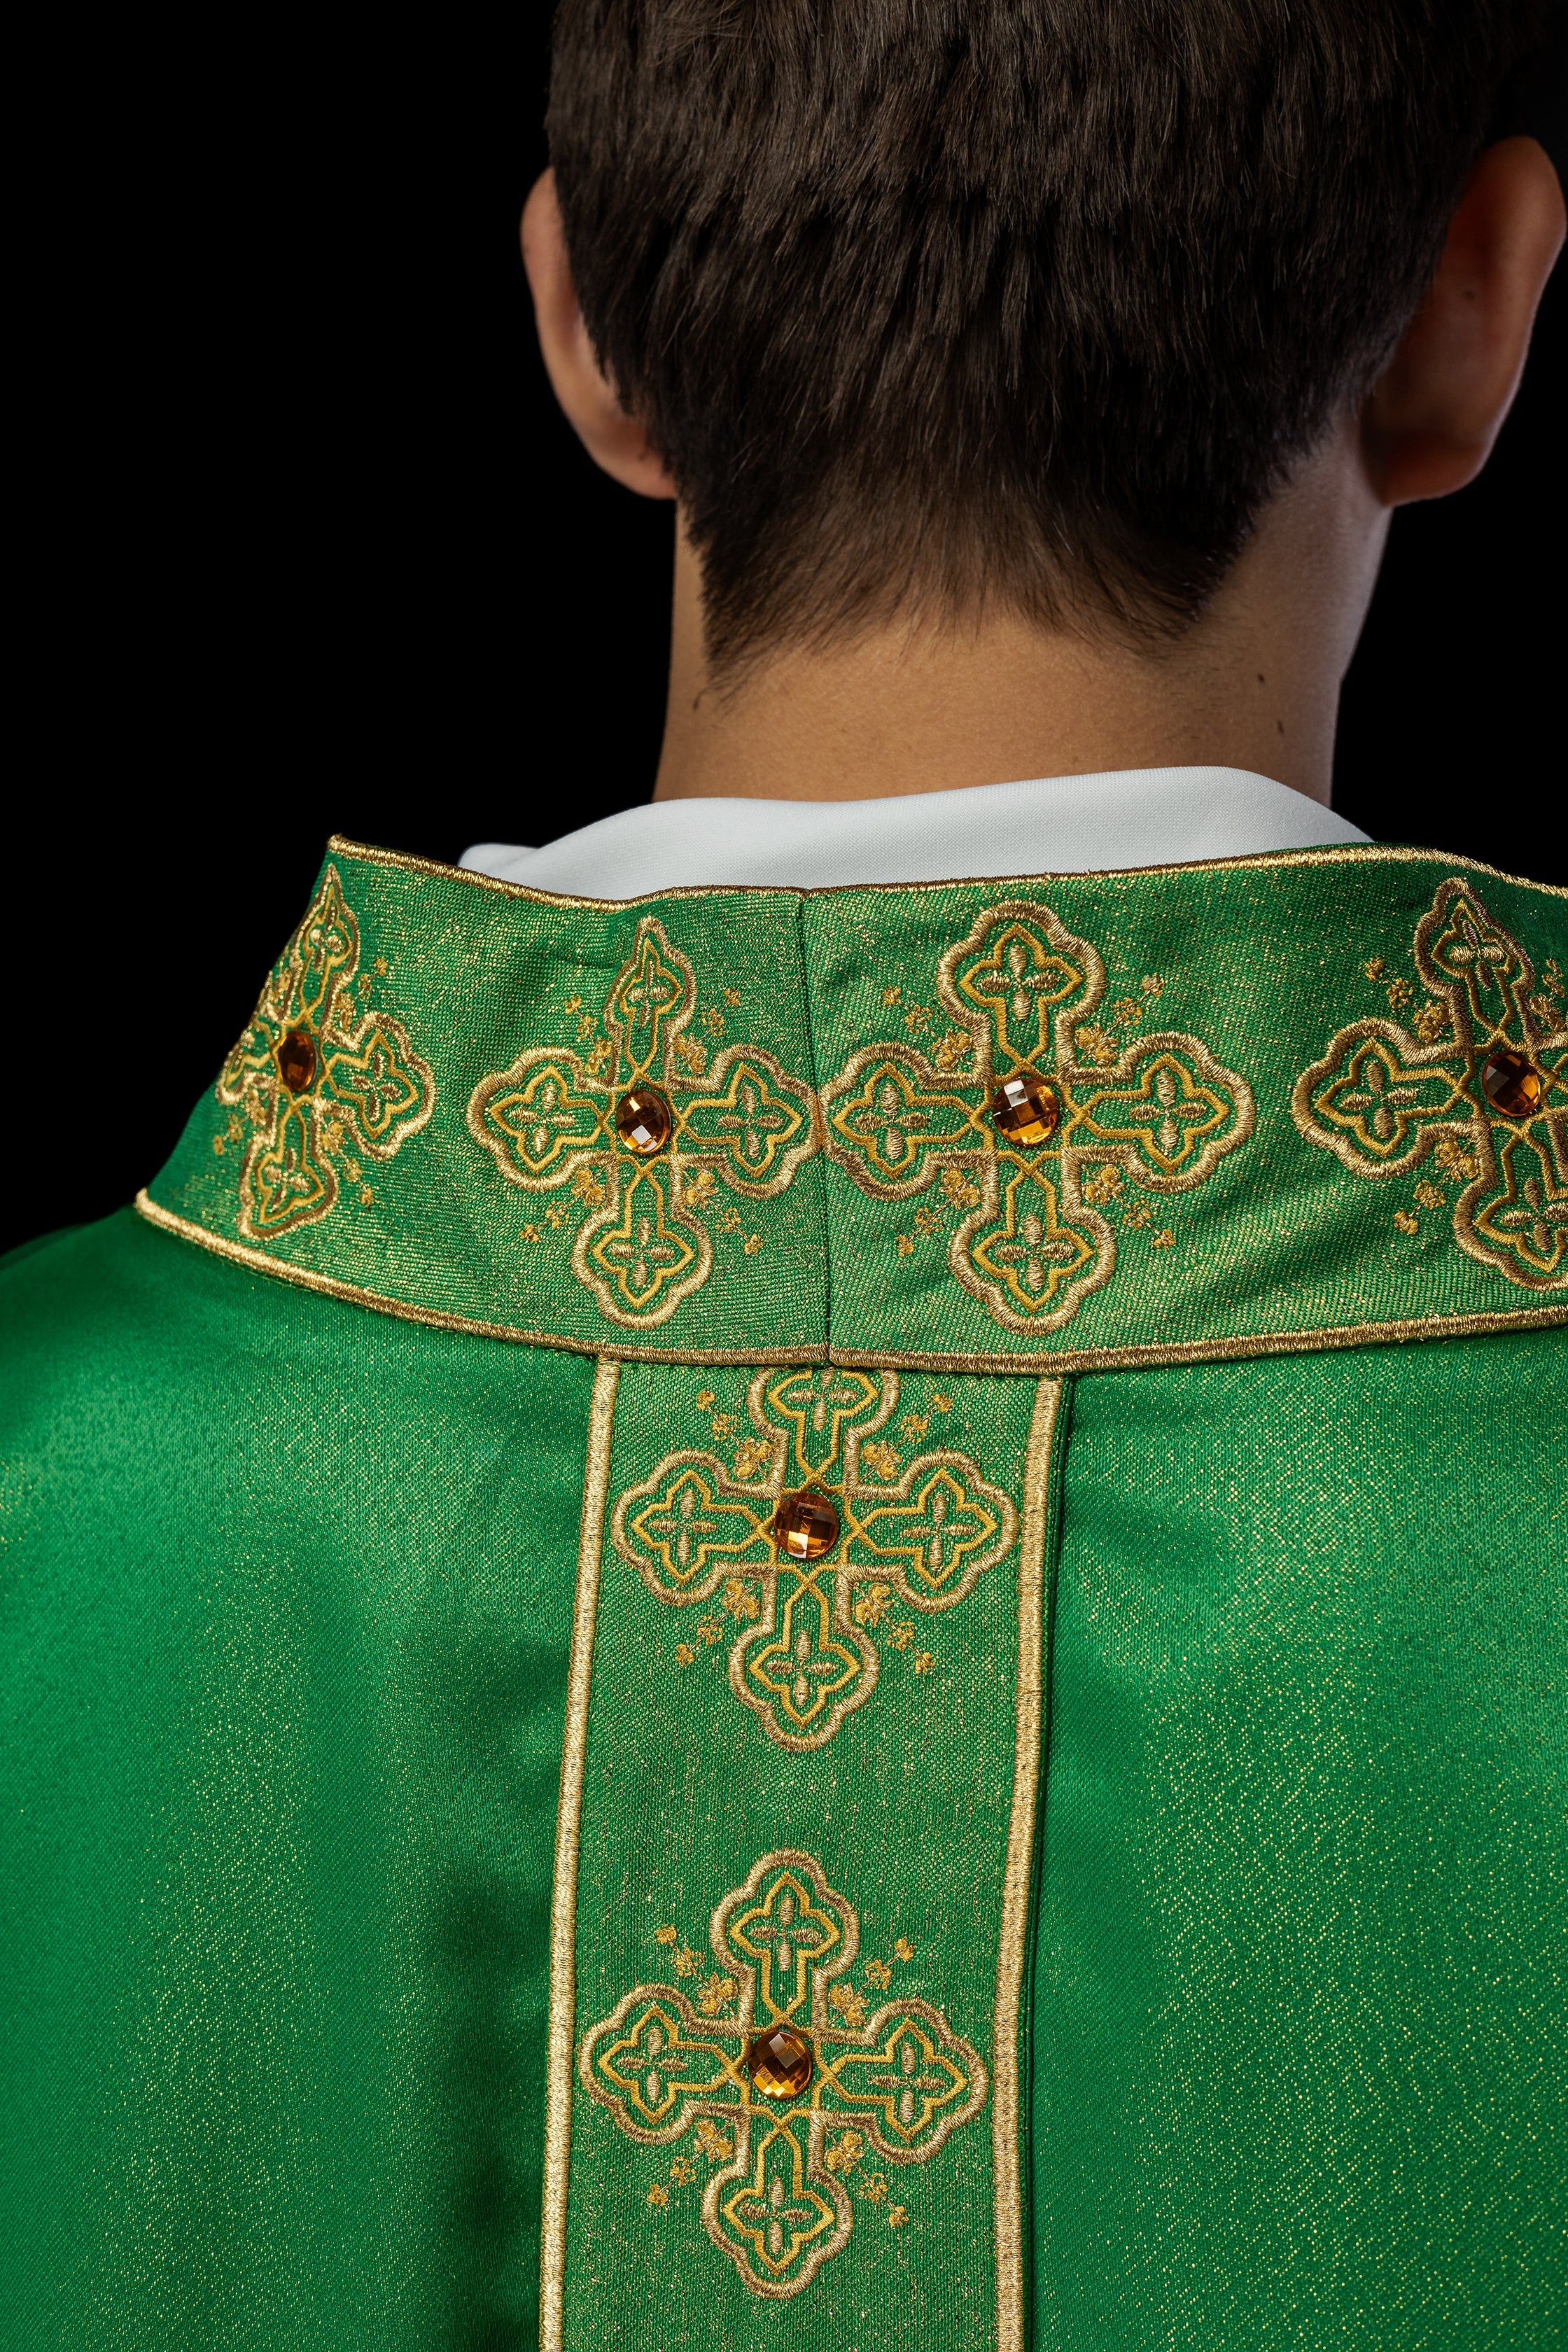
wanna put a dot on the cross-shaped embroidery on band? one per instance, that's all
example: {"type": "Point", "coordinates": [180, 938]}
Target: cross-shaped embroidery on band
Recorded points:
{"type": "Point", "coordinates": [322, 1080]}
{"type": "Point", "coordinates": [917, 1536]}
{"type": "Point", "coordinates": [1474, 1090]}
{"type": "Point", "coordinates": [783, 2075]}
{"type": "Point", "coordinates": [1097, 1110]}
{"type": "Point", "coordinates": [735, 1120]}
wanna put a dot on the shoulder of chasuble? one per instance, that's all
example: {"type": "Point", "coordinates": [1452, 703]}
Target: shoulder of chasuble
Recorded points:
{"type": "Point", "coordinates": [823, 1577]}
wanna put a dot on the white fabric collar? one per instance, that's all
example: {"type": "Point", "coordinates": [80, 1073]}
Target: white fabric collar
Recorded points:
{"type": "Point", "coordinates": [1046, 825]}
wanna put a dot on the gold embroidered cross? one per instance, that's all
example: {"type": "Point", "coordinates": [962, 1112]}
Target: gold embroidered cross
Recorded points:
{"type": "Point", "coordinates": [1383, 1101]}
{"type": "Point", "coordinates": [777, 2203]}
{"type": "Point", "coordinates": [738, 1121]}
{"type": "Point", "coordinates": [1022, 992]}
{"type": "Point", "coordinates": [805, 1657]}
{"type": "Point", "coordinates": [319, 1076]}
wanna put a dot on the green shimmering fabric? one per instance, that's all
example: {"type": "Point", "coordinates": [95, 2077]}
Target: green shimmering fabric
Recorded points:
{"type": "Point", "coordinates": [425, 1769]}
{"type": "Point", "coordinates": [1269, 1125]}
{"type": "Point", "coordinates": [287, 1596]}
{"type": "Point", "coordinates": [1301, 1978]}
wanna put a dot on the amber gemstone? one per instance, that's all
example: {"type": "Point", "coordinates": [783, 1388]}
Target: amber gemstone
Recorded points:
{"type": "Point", "coordinates": [643, 1121]}
{"type": "Point", "coordinates": [805, 1526]}
{"type": "Point", "coordinates": [1512, 1084]}
{"type": "Point", "coordinates": [1026, 1108]}
{"type": "Point", "coordinates": [780, 2062]}
{"type": "Point", "coordinates": [296, 1060]}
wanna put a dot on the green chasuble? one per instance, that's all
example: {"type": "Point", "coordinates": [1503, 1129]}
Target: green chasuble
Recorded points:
{"type": "Point", "coordinates": [830, 1620]}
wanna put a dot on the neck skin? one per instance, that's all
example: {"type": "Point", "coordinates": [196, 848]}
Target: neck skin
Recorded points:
{"type": "Point", "coordinates": [925, 708]}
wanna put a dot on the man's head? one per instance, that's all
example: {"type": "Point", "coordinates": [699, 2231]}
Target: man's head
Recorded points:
{"type": "Point", "coordinates": [1017, 305]}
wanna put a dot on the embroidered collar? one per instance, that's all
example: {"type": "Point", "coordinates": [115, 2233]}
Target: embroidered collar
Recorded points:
{"type": "Point", "coordinates": [1312, 1098]}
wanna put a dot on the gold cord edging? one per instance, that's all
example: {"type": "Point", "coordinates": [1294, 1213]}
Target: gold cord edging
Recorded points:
{"type": "Point", "coordinates": [1006, 2123]}
{"type": "Point", "coordinates": [569, 1822]}
{"type": "Point", "coordinates": [1349, 852]}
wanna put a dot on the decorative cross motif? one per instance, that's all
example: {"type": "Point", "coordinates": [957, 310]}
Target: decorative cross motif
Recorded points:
{"type": "Point", "coordinates": [1022, 992]}
{"type": "Point", "coordinates": [806, 1657]}
{"type": "Point", "coordinates": [776, 2204]}
{"type": "Point", "coordinates": [1383, 1101]}
{"type": "Point", "coordinates": [738, 1121]}
{"type": "Point", "coordinates": [319, 1076]}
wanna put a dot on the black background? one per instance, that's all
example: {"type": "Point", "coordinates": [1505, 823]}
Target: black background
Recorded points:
{"type": "Point", "coordinates": [303, 547]}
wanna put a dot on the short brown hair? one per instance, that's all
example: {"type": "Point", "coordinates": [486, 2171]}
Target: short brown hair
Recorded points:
{"type": "Point", "coordinates": [1024, 302]}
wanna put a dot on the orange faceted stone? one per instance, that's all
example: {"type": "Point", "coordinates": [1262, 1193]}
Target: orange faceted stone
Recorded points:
{"type": "Point", "coordinates": [780, 2062]}
{"type": "Point", "coordinates": [296, 1060]}
{"type": "Point", "coordinates": [1512, 1084]}
{"type": "Point", "coordinates": [804, 1527]}
{"type": "Point", "coordinates": [1026, 1108]}
{"type": "Point", "coordinates": [643, 1121]}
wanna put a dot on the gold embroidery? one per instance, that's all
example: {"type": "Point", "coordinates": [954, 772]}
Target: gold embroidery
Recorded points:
{"type": "Point", "coordinates": [897, 2079]}
{"type": "Point", "coordinates": [1382, 1100]}
{"type": "Point", "coordinates": [1157, 1108]}
{"type": "Point", "coordinates": [740, 1121]}
{"type": "Point", "coordinates": [805, 1657]}
{"type": "Point", "coordinates": [314, 1069]}
{"type": "Point", "coordinates": [1271, 861]}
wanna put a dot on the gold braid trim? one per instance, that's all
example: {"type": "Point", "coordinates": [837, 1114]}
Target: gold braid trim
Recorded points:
{"type": "Point", "coordinates": [568, 1822]}
{"type": "Point", "coordinates": [1347, 853]}
{"type": "Point", "coordinates": [1006, 2123]}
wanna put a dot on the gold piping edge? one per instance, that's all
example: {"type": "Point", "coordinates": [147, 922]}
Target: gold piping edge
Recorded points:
{"type": "Point", "coordinates": [439, 1318]}
{"type": "Point", "coordinates": [562, 2028]}
{"type": "Point", "coordinates": [1476, 1324]}
{"type": "Point", "coordinates": [1006, 2123]}
{"type": "Point", "coordinates": [1212, 1351]}
{"type": "Point", "coordinates": [1347, 853]}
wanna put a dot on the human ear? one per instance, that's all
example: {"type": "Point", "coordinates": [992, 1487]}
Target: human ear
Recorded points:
{"type": "Point", "coordinates": [1429, 423]}
{"type": "Point", "coordinates": [613, 438]}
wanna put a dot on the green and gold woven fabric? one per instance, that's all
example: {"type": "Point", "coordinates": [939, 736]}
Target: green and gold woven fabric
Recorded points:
{"type": "Point", "coordinates": [885, 1721]}
{"type": "Point", "coordinates": [1271, 1131]}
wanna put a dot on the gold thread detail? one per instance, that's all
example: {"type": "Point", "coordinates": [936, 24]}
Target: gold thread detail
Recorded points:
{"type": "Point", "coordinates": [1384, 1101]}
{"type": "Point", "coordinates": [319, 1076]}
{"type": "Point", "coordinates": [1156, 1109]}
{"type": "Point", "coordinates": [1006, 2120]}
{"type": "Point", "coordinates": [1349, 852]}
{"type": "Point", "coordinates": [777, 2207]}
{"type": "Point", "coordinates": [548, 1120]}
{"type": "Point", "coordinates": [806, 1657]}
{"type": "Point", "coordinates": [1057, 1362]}
{"type": "Point", "coordinates": [569, 1824]}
